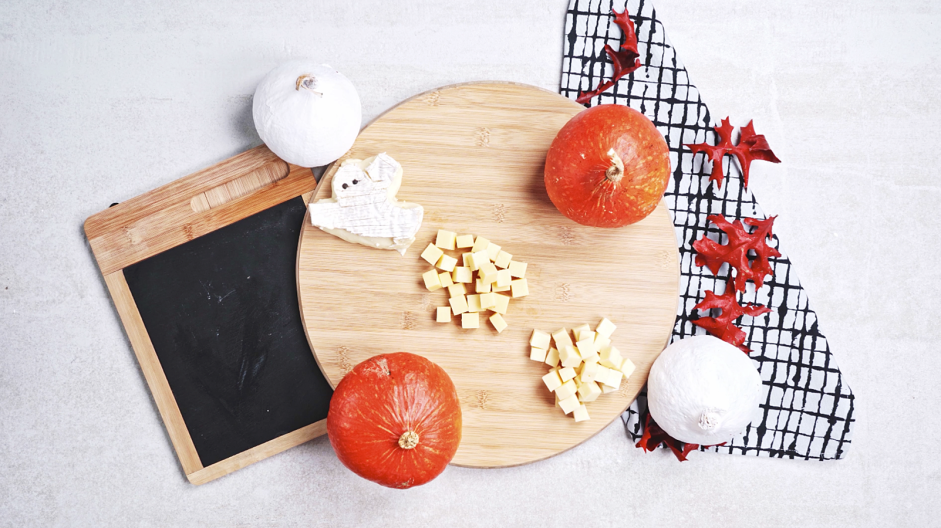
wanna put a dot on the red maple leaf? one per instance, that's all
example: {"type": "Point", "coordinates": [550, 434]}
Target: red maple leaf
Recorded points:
{"type": "Point", "coordinates": [625, 59]}
{"type": "Point", "coordinates": [751, 146]}
{"type": "Point", "coordinates": [713, 254]}
{"type": "Point", "coordinates": [723, 325]}
{"type": "Point", "coordinates": [654, 435]}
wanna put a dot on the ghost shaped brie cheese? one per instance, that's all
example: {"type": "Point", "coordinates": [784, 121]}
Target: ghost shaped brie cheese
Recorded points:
{"type": "Point", "coordinates": [364, 209]}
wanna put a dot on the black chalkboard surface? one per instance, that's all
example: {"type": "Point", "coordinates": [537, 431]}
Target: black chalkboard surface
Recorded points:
{"type": "Point", "coordinates": [222, 314]}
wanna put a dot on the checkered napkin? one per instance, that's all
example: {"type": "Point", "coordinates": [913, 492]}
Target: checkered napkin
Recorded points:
{"type": "Point", "coordinates": [807, 409]}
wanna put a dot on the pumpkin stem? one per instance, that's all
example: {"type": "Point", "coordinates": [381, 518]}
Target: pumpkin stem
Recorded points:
{"type": "Point", "coordinates": [616, 170]}
{"type": "Point", "coordinates": [408, 440]}
{"type": "Point", "coordinates": [307, 82]}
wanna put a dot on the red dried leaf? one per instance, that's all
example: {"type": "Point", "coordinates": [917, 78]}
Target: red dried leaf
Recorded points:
{"type": "Point", "coordinates": [751, 146]}
{"type": "Point", "coordinates": [735, 253]}
{"type": "Point", "coordinates": [723, 326]}
{"type": "Point", "coordinates": [625, 59]}
{"type": "Point", "coordinates": [654, 436]}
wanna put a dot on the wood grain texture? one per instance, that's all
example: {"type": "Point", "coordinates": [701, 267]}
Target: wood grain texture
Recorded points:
{"type": "Point", "coordinates": [473, 156]}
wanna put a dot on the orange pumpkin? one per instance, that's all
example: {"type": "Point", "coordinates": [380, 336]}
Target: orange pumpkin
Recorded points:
{"type": "Point", "coordinates": [607, 167]}
{"type": "Point", "coordinates": [395, 419]}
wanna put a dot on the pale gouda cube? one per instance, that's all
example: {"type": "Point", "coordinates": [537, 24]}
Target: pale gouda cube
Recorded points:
{"type": "Point", "coordinates": [462, 274]}
{"type": "Point", "coordinates": [445, 239]}
{"type": "Point", "coordinates": [606, 328]}
{"type": "Point", "coordinates": [552, 357]}
{"type": "Point", "coordinates": [502, 303]}
{"type": "Point", "coordinates": [567, 389]}
{"type": "Point", "coordinates": [445, 279]}
{"type": "Point", "coordinates": [503, 259]}
{"type": "Point", "coordinates": [579, 329]}
{"type": "Point", "coordinates": [473, 303]}
{"type": "Point", "coordinates": [443, 314]}
{"type": "Point", "coordinates": [446, 263]}
{"type": "Point", "coordinates": [470, 320]}
{"type": "Point", "coordinates": [481, 286]}
{"type": "Point", "coordinates": [601, 374]}
{"type": "Point", "coordinates": [567, 373]}
{"type": "Point", "coordinates": [587, 335]}
{"type": "Point", "coordinates": [587, 371]}
{"type": "Point", "coordinates": [486, 271]}
{"type": "Point", "coordinates": [498, 323]}
{"type": "Point", "coordinates": [494, 287]}
{"type": "Point", "coordinates": [589, 391]}
{"type": "Point", "coordinates": [468, 259]}
{"type": "Point", "coordinates": [613, 378]}
{"type": "Point", "coordinates": [569, 356]}
{"type": "Point", "coordinates": [537, 354]}
{"type": "Point", "coordinates": [601, 342]}
{"type": "Point", "coordinates": [481, 257]}
{"type": "Point", "coordinates": [465, 241]}
{"type": "Point", "coordinates": [431, 254]}
{"type": "Point", "coordinates": [480, 244]}
{"type": "Point", "coordinates": [581, 413]}
{"type": "Point", "coordinates": [458, 304]}
{"type": "Point", "coordinates": [457, 290]}
{"type": "Point", "coordinates": [569, 404]}
{"type": "Point", "coordinates": [431, 280]}
{"type": "Point", "coordinates": [552, 380]}
{"type": "Point", "coordinates": [561, 338]}
{"type": "Point", "coordinates": [492, 251]}
{"type": "Point", "coordinates": [519, 288]}
{"type": "Point", "coordinates": [517, 269]}
{"type": "Point", "coordinates": [586, 348]}
{"type": "Point", "coordinates": [504, 279]}
{"type": "Point", "coordinates": [539, 339]}
{"type": "Point", "coordinates": [627, 368]}
{"type": "Point", "coordinates": [488, 300]}
{"type": "Point", "coordinates": [606, 389]}
{"type": "Point", "coordinates": [611, 357]}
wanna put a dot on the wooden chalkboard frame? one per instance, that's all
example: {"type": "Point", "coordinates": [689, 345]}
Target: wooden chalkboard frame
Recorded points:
{"type": "Point", "coordinates": [166, 217]}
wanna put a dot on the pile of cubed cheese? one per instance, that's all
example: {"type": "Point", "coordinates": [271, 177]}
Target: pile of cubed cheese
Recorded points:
{"type": "Point", "coordinates": [583, 370]}
{"type": "Point", "coordinates": [487, 269]}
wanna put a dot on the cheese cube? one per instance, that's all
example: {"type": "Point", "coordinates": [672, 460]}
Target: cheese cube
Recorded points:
{"type": "Point", "coordinates": [480, 244]}
{"type": "Point", "coordinates": [498, 323]}
{"type": "Point", "coordinates": [492, 251]}
{"type": "Point", "coordinates": [537, 354]}
{"type": "Point", "coordinates": [561, 338]}
{"type": "Point", "coordinates": [488, 300]}
{"type": "Point", "coordinates": [517, 269]}
{"type": "Point", "coordinates": [486, 271]}
{"type": "Point", "coordinates": [480, 257]}
{"type": "Point", "coordinates": [445, 279]}
{"type": "Point", "coordinates": [578, 382]}
{"type": "Point", "coordinates": [587, 336]}
{"type": "Point", "coordinates": [470, 320]}
{"type": "Point", "coordinates": [552, 357]}
{"type": "Point", "coordinates": [567, 373]}
{"type": "Point", "coordinates": [613, 378]}
{"type": "Point", "coordinates": [494, 287]}
{"type": "Point", "coordinates": [587, 371]}
{"type": "Point", "coordinates": [443, 314]}
{"type": "Point", "coordinates": [502, 303]}
{"type": "Point", "coordinates": [445, 239]}
{"type": "Point", "coordinates": [552, 380]}
{"type": "Point", "coordinates": [503, 259]}
{"type": "Point", "coordinates": [465, 241]}
{"type": "Point", "coordinates": [481, 287]}
{"type": "Point", "coordinates": [504, 279]}
{"type": "Point", "coordinates": [601, 374]}
{"type": "Point", "coordinates": [431, 254]}
{"type": "Point", "coordinates": [569, 404]}
{"type": "Point", "coordinates": [539, 339]}
{"type": "Point", "coordinates": [458, 304]}
{"type": "Point", "coordinates": [606, 389]}
{"type": "Point", "coordinates": [569, 357]}
{"type": "Point", "coordinates": [586, 348]}
{"type": "Point", "coordinates": [589, 391]}
{"type": "Point", "coordinates": [567, 389]}
{"type": "Point", "coordinates": [601, 342]}
{"type": "Point", "coordinates": [606, 328]}
{"type": "Point", "coordinates": [627, 368]}
{"type": "Point", "coordinates": [431, 280]}
{"type": "Point", "coordinates": [468, 259]}
{"type": "Point", "coordinates": [519, 288]}
{"type": "Point", "coordinates": [446, 263]}
{"type": "Point", "coordinates": [473, 303]}
{"type": "Point", "coordinates": [578, 331]}
{"type": "Point", "coordinates": [457, 290]}
{"type": "Point", "coordinates": [462, 274]}
{"type": "Point", "coordinates": [611, 358]}
{"type": "Point", "coordinates": [581, 413]}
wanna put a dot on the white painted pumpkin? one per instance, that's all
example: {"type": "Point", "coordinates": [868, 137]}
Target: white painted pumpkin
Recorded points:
{"type": "Point", "coordinates": [703, 390]}
{"type": "Point", "coordinates": [307, 114]}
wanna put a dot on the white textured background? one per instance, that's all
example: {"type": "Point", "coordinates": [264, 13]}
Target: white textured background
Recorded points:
{"type": "Point", "coordinates": [104, 101]}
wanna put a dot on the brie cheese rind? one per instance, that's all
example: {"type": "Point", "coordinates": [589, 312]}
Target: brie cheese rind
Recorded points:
{"type": "Point", "coordinates": [364, 209]}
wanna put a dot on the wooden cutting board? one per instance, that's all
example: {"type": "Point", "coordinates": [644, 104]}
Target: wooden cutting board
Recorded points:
{"type": "Point", "coordinates": [473, 156]}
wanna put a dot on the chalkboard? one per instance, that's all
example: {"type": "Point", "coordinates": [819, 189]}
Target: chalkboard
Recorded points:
{"type": "Point", "coordinates": [222, 313]}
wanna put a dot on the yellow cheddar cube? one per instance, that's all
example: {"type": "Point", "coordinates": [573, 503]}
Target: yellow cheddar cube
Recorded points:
{"type": "Point", "coordinates": [473, 303]}
{"type": "Point", "coordinates": [517, 269]}
{"type": "Point", "coordinates": [611, 357]}
{"type": "Point", "coordinates": [569, 404]}
{"type": "Point", "coordinates": [457, 290]}
{"type": "Point", "coordinates": [586, 348]}
{"type": "Point", "coordinates": [567, 389]}
{"type": "Point", "coordinates": [486, 271]}
{"type": "Point", "coordinates": [567, 373]}
{"type": "Point", "coordinates": [458, 304]}
{"type": "Point", "coordinates": [519, 288]}
{"type": "Point", "coordinates": [536, 354]}
{"type": "Point", "coordinates": [432, 282]}
{"type": "Point", "coordinates": [569, 357]}
{"type": "Point", "coordinates": [539, 339]}
{"type": "Point", "coordinates": [481, 257]}
{"type": "Point", "coordinates": [445, 239]}
{"type": "Point", "coordinates": [627, 368]}
{"type": "Point", "coordinates": [468, 260]}
{"type": "Point", "coordinates": [462, 274]}
{"type": "Point", "coordinates": [480, 244]}
{"type": "Point", "coordinates": [492, 251]}
{"type": "Point", "coordinates": [495, 288]}
{"type": "Point", "coordinates": [443, 314]}
{"type": "Point", "coordinates": [606, 328]}
{"type": "Point", "coordinates": [498, 323]}
{"type": "Point", "coordinates": [470, 320]}
{"type": "Point", "coordinates": [503, 259]}
{"type": "Point", "coordinates": [552, 380]}
{"type": "Point", "coordinates": [589, 391]}
{"type": "Point", "coordinates": [581, 413]}
{"type": "Point", "coordinates": [504, 279]}
{"type": "Point", "coordinates": [446, 263]}
{"type": "Point", "coordinates": [587, 371]}
{"type": "Point", "coordinates": [488, 300]}
{"type": "Point", "coordinates": [579, 329]}
{"type": "Point", "coordinates": [465, 241]}
{"type": "Point", "coordinates": [481, 287]}
{"type": "Point", "coordinates": [445, 279]}
{"type": "Point", "coordinates": [552, 357]}
{"type": "Point", "coordinates": [501, 304]}
{"type": "Point", "coordinates": [561, 338]}
{"type": "Point", "coordinates": [431, 254]}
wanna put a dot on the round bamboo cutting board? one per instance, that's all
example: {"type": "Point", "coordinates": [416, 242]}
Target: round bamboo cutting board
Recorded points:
{"type": "Point", "coordinates": [473, 157]}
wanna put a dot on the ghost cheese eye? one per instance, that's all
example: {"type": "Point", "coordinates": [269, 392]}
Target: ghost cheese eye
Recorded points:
{"type": "Point", "coordinates": [355, 182]}
{"type": "Point", "coordinates": [345, 186]}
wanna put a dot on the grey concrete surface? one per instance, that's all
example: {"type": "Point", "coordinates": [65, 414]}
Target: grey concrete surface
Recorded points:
{"type": "Point", "coordinates": [103, 100]}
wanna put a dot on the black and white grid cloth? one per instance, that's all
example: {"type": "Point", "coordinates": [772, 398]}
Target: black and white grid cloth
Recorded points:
{"type": "Point", "coordinates": [807, 409]}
